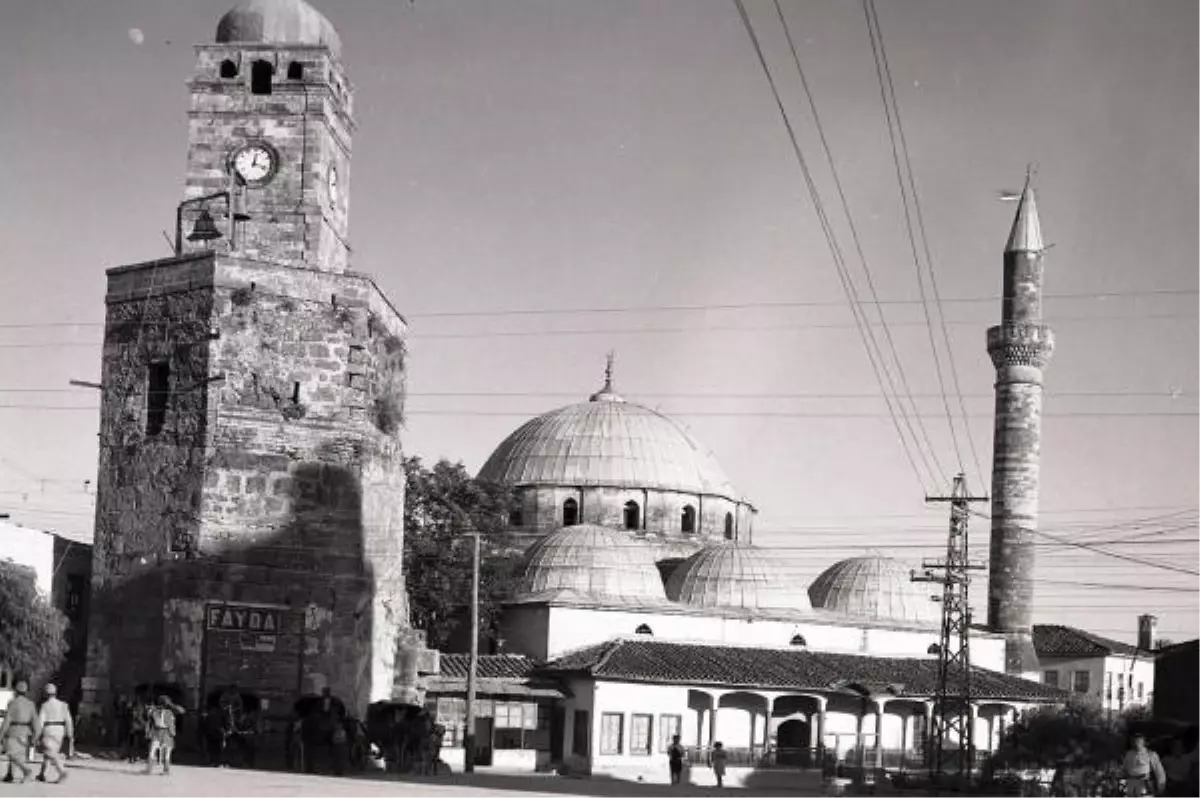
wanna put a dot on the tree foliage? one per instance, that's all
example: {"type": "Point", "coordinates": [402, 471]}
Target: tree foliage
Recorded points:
{"type": "Point", "coordinates": [441, 505]}
{"type": "Point", "coordinates": [33, 641]}
{"type": "Point", "coordinates": [1080, 731]}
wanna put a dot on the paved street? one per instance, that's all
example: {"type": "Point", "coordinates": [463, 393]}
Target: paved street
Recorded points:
{"type": "Point", "coordinates": [106, 778]}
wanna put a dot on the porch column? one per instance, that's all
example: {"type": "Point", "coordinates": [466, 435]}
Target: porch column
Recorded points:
{"type": "Point", "coordinates": [712, 724]}
{"type": "Point", "coordinates": [927, 742]}
{"type": "Point", "coordinates": [904, 721]}
{"type": "Point", "coordinates": [820, 742]}
{"type": "Point", "coordinates": [991, 741]}
{"type": "Point", "coordinates": [973, 710]}
{"type": "Point", "coordinates": [880, 704]}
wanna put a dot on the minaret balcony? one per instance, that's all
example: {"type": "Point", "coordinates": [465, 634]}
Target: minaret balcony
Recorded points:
{"type": "Point", "coordinates": [1020, 344]}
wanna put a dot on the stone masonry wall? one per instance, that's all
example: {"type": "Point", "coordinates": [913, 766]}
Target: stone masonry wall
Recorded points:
{"type": "Point", "coordinates": [1020, 348]}
{"type": "Point", "coordinates": [294, 218]}
{"type": "Point", "coordinates": [660, 511]}
{"type": "Point", "coordinates": [277, 482]}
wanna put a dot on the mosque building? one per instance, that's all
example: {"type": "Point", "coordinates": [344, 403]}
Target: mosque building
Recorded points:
{"type": "Point", "coordinates": [644, 603]}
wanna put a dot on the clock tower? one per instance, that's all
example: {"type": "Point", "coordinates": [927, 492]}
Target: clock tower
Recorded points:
{"type": "Point", "coordinates": [250, 493]}
{"type": "Point", "coordinates": [271, 120]}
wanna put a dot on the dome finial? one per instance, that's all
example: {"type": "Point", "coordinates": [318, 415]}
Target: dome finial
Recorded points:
{"type": "Point", "coordinates": [608, 393]}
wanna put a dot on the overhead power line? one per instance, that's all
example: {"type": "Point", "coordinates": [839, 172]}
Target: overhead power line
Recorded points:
{"type": "Point", "coordinates": [927, 452]}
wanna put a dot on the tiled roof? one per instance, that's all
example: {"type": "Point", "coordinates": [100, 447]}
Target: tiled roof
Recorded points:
{"type": "Point", "coordinates": [1055, 641]}
{"type": "Point", "coordinates": [787, 669]}
{"type": "Point", "coordinates": [491, 666]}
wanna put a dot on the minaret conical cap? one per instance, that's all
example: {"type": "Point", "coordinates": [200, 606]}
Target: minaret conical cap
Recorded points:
{"type": "Point", "coordinates": [1026, 235]}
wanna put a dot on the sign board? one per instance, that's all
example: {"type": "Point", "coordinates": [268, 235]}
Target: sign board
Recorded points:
{"type": "Point", "coordinates": [234, 618]}
{"type": "Point", "coordinates": [263, 643]}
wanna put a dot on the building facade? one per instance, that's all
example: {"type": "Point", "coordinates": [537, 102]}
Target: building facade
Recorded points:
{"type": "Point", "coordinates": [1116, 675]}
{"type": "Point", "coordinates": [251, 486]}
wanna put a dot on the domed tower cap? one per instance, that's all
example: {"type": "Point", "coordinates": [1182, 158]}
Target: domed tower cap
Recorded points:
{"type": "Point", "coordinates": [278, 22]}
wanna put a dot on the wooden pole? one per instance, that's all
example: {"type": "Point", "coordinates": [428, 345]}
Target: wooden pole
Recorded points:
{"type": "Point", "coordinates": [473, 664]}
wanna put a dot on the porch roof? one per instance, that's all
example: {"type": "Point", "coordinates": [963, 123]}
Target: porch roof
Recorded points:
{"type": "Point", "coordinates": [663, 662]}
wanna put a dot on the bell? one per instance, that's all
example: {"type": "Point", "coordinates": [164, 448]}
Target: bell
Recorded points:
{"type": "Point", "coordinates": [205, 228]}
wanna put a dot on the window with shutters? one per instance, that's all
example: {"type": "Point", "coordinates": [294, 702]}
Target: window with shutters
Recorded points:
{"type": "Point", "coordinates": [1082, 681]}
{"type": "Point", "coordinates": [611, 727]}
{"type": "Point", "coordinates": [641, 738]}
{"type": "Point", "coordinates": [1050, 678]}
{"type": "Point", "coordinates": [668, 727]}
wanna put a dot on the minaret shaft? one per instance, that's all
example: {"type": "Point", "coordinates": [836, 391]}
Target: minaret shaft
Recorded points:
{"type": "Point", "coordinates": [1020, 348]}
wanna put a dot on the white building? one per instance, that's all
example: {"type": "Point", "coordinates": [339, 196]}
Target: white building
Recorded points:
{"type": "Point", "coordinates": [1116, 674]}
{"type": "Point", "coordinates": [720, 647]}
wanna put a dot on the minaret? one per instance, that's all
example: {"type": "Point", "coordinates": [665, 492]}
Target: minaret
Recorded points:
{"type": "Point", "coordinates": [1020, 347]}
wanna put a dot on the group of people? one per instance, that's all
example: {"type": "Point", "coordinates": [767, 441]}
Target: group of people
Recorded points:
{"type": "Point", "coordinates": [718, 759]}
{"type": "Point", "coordinates": [49, 727]}
{"type": "Point", "coordinates": [1141, 769]}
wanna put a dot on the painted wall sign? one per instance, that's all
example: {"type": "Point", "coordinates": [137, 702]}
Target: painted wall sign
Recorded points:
{"type": "Point", "coordinates": [232, 618]}
{"type": "Point", "coordinates": [263, 643]}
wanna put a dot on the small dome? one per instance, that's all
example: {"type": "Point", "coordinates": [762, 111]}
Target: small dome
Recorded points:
{"type": "Point", "coordinates": [876, 588]}
{"type": "Point", "coordinates": [593, 561]}
{"type": "Point", "coordinates": [732, 575]}
{"type": "Point", "coordinates": [278, 22]}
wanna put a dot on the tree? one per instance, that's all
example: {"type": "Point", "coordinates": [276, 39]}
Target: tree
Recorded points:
{"type": "Point", "coordinates": [33, 641]}
{"type": "Point", "coordinates": [1081, 730]}
{"type": "Point", "coordinates": [441, 505]}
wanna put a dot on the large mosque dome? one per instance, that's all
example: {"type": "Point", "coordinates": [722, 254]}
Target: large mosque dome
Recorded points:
{"type": "Point", "coordinates": [593, 562]}
{"type": "Point", "coordinates": [872, 588]}
{"type": "Point", "coordinates": [278, 22]}
{"type": "Point", "coordinates": [733, 576]}
{"type": "Point", "coordinates": [610, 442]}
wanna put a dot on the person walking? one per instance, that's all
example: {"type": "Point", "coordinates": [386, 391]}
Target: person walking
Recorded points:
{"type": "Point", "coordinates": [21, 727]}
{"type": "Point", "coordinates": [161, 729]}
{"type": "Point", "coordinates": [675, 756]}
{"type": "Point", "coordinates": [1144, 774]}
{"type": "Point", "coordinates": [717, 760]}
{"type": "Point", "coordinates": [57, 728]}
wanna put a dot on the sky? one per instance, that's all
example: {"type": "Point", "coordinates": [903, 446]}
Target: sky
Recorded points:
{"type": "Point", "coordinates": [621, 169]}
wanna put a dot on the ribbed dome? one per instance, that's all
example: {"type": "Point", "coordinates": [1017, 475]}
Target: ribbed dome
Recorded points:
{"type": "Point", "coordinates": [731, 575]}
{"type": "Point", "coordinates": [278, 22]}
{"type": "Point", "coordinates": [876, 588]}
{"type": "Point", "coordinates": [610, 442]}
{"type": "Point", "coordinates": [594, 561]}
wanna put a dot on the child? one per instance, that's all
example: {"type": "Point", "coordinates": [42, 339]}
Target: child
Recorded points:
{"type": "Point", "coordinates": [717, 759]}
{"type": "Point", "coordinates": [161, 728]}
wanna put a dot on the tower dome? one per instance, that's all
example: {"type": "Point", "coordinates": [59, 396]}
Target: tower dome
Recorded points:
{"type": "Point", "coordinates": [874, 588]}
{"type": "Point", "coordinates": [591, 561]}
{"type": "Point", "coordinates": [278, 22]}
{"type": "Point", "coordinates": [607, 442]}
{"type": "Point", "coordinates": [734, 576]}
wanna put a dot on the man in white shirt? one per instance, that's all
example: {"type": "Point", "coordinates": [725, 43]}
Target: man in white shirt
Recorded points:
{"type": "Point", "coordinates": [1144, 772]}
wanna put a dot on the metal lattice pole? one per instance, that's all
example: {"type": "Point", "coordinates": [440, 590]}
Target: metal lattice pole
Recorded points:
{"type": "Point", "coordinates": [953, 728]}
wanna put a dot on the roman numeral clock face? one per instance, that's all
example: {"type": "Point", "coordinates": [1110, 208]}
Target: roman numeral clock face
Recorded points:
{"type": "Point", "coordinates": [255, 164]}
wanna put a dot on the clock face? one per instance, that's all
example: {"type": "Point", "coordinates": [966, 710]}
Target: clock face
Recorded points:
{"type": "Point", "coordinates": [254, 164]}
{"type": "Point", "coordinates": [334, 187]}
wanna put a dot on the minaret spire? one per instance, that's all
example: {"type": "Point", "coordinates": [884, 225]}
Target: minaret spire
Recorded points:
{"type": "Point", "coordinates": [1026, 235]}
{"type": "Point", "coordinates": [608, 371]}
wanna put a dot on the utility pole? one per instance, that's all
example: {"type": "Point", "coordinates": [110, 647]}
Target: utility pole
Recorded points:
{"type": "Point", "coordinates": [952, 705]}
{"type": "Point", "coordinates": [473, 664]}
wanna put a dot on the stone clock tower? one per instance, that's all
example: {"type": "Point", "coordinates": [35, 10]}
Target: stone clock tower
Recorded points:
{"type": "Point", "coordinates": [250, 493]}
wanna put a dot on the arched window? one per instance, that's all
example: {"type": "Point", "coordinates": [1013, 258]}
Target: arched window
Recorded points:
{"type": "Point", "coordinates": [688, 522]}
{"type": "Point", "coordinates": [934, 649]}
{"type": "Point", "coordinates": [644, 629]}
{"type": "Point", "coordinates": [729, 526]}
{"type": "Point", "coordinates": [228, 69]}
{"type": "Point", "coordinates": [295, 71]}
{"type": "Point", "coordinates": [570, 512]}
{"type": "Point", "coordinates": [515, 517]}
{"type": "Point", "coordinates": [633, 515]}
{"type": "Point", "coordinates": [798, 640]}
{"type": "Point", "coordinates": [261, 73]}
